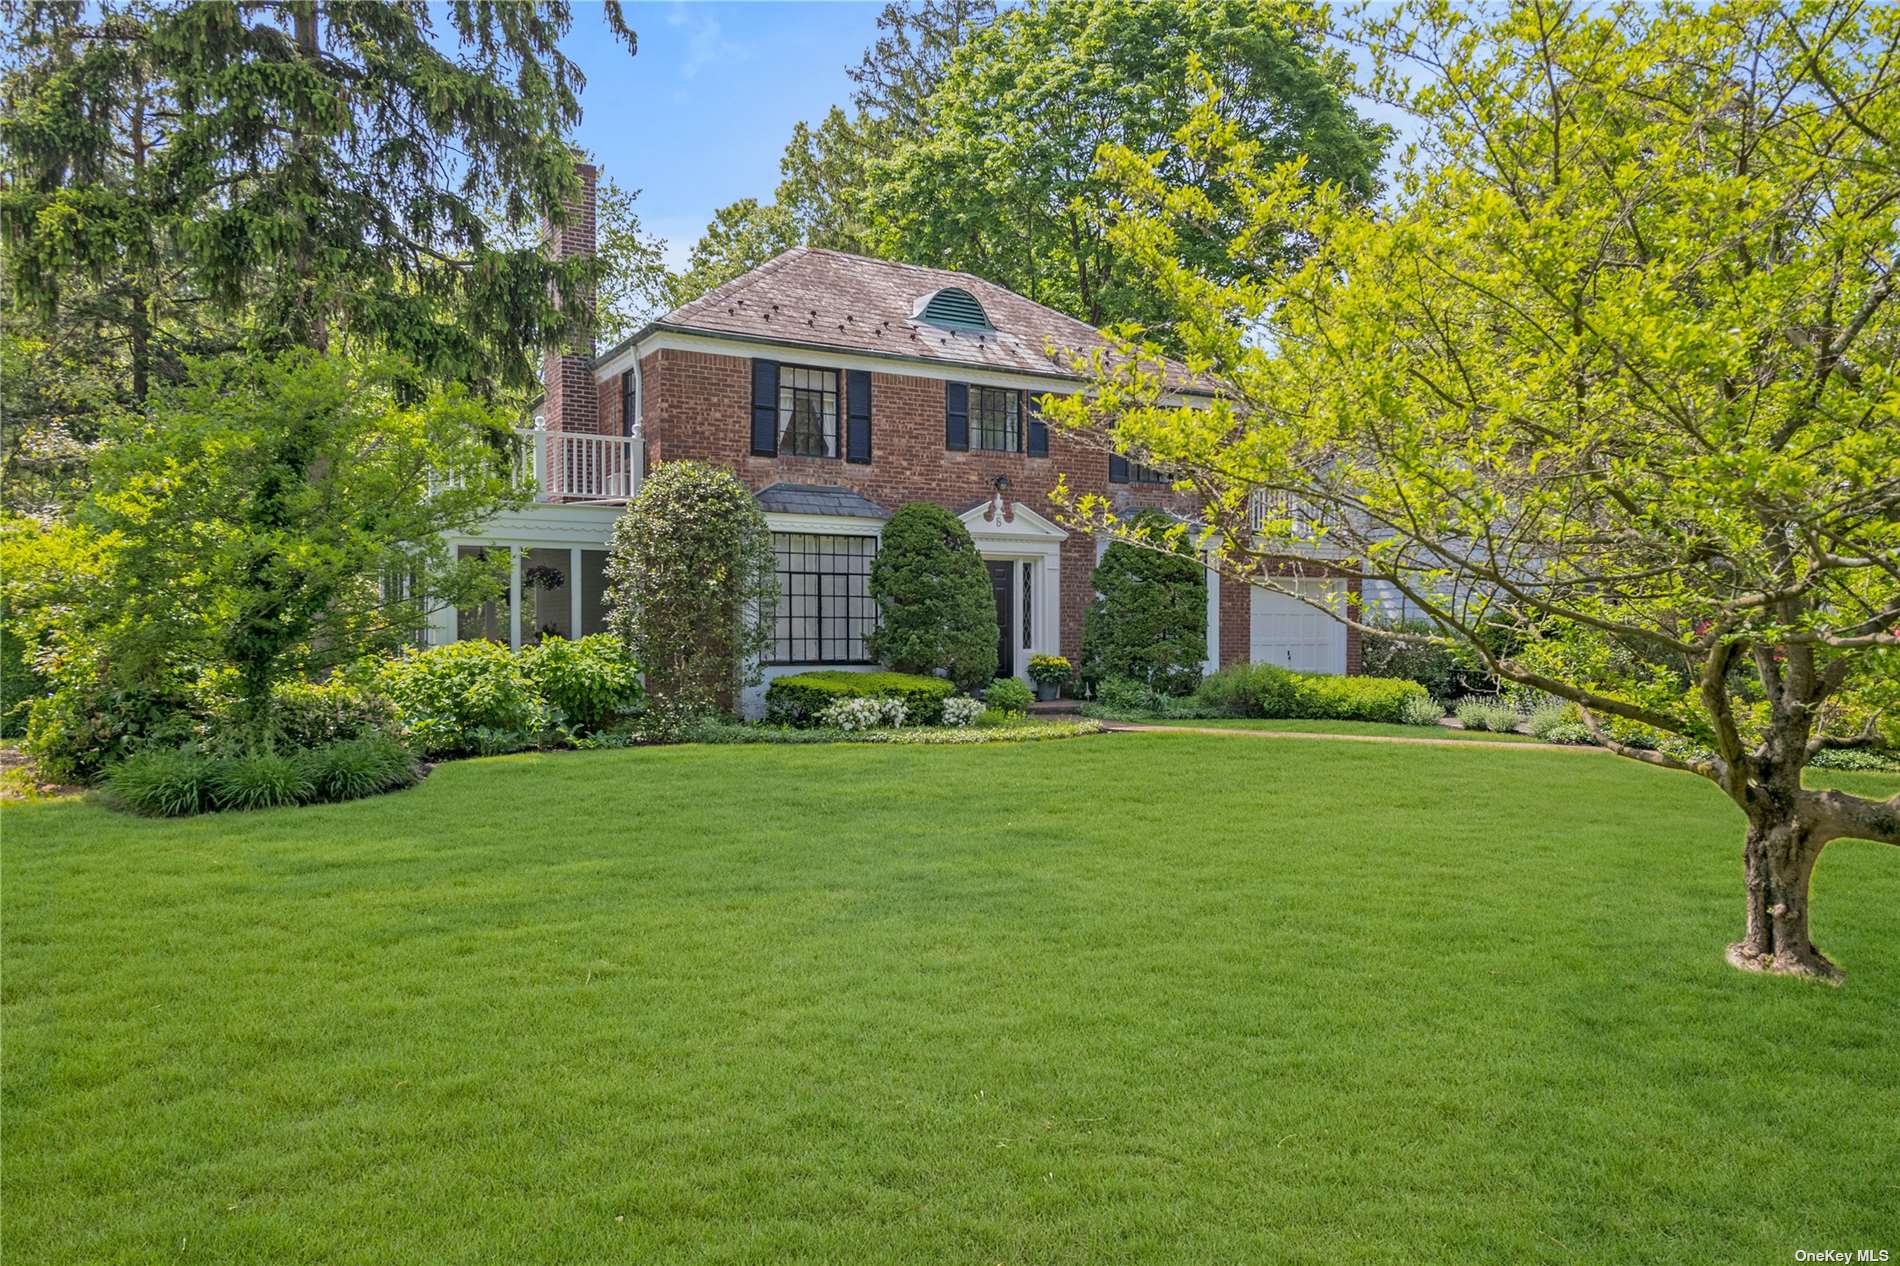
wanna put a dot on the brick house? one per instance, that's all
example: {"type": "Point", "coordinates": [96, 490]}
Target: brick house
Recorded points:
{"type": "Point", "coordinates": [838, 388]}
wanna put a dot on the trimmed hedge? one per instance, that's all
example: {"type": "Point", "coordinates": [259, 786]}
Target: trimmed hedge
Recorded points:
{"type": "Point", "coordinates": [799, 698]}
{"type": "Point", "coordinates": [1262, 690]}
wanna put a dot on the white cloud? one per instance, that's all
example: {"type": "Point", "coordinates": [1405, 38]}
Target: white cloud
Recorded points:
{"type": "Point", "coordinates": [705, 41]}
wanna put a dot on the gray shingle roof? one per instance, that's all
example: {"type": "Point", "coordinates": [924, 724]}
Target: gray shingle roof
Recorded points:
{"type": "Point", "coordinates": [785, 498]}
{"type": "Point", "coordinates": [828, 299]}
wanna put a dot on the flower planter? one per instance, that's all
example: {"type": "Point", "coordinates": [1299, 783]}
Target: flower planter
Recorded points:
{"type": "Point", "coordinates": [1048, 690]}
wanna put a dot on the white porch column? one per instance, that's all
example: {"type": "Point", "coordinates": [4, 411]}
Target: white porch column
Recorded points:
{"type": "Point", "coordinates": [574, 592]}
{"type": "Point", "coordinates": [1213, 622]}
{"type": "Point", "coordinates": [514, 597]}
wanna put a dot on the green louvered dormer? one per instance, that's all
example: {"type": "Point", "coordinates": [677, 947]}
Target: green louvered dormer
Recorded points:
{"type": "Point", "coordinates": [953, 309]}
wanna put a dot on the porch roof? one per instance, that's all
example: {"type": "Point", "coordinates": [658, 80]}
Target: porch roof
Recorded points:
{"type": "Point", "coordinates": [783, 498]}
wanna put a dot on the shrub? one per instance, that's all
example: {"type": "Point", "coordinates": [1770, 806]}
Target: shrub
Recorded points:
{"type": "Point", "coordinates": [935, 607]}
{"type": "Point", "coordinates": [693, 588]}
{"type": "Point", "coordinates": [162, 783]}
{"type": "Point", "coordinates": [798, 699]}
{"type": "Point", "coordinates": [1227, 693]}
{"type": "Point", "coordinates": [1008, 695]}
{"type": "Point", "coordinates": [591, 681]}
{"type": "Point", "coordinates": [359, 767]}
{"type": "Point", "coordinates": [260, 780]}
{"type": "Point", "coordinates": [1446, 672]}
{"type": "Point", "coordinates": [1854, 758]}
{"type": "Point", "coordinates": [1481, 714]}
{"type": "Point", "coordinates": [1263, 690]}
{"type": "Point", "coordinates": [860, 713]}
{"type": "Point", "coordinates": [312, 714]}
{"type": "Point", "coordinates": [1049, 670]}
{"type": "Point", "coordinates": [1421, 710]}
{"type": "Point", "coordinates": [472, 696]}
{"type": "Point", "coordinates": [1559, 723]}
{"type": "Point", "coordinates": [82, 726]}
{"type": "Point", "coordinates": [1148, 620]}
{"type": "Point", "coordinates": [961, 711]}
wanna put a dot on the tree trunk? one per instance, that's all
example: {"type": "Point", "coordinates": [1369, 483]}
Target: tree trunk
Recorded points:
{"type": "Point", "coordinates": [1778, 859]}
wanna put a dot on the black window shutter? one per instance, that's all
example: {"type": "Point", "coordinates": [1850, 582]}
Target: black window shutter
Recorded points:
{"type": "Point", "coordinates": [956, 415]}
{"type": "Point", "coordinates": [629, 403]}
{"type": "Point", "coordinates": [857, 404]}
{"type": "Point", "coordinates": [1117, 468]}
{"type": "Point", "coordinates": [765, 408]}
{"type": "Point", "coordinates": [1038, 429]}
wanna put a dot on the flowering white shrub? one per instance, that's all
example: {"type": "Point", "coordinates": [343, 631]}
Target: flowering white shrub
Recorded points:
{"type": "Point", "coordinates": [961, 710]}
{"type": "Point", "coordinates": [864, 714]}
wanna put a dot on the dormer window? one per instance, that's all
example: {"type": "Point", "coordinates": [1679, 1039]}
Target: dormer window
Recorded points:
{"type": "Point", "coordinates": [953, 309]}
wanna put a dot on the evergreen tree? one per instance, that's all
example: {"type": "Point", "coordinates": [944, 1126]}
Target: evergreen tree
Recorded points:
{"type": "Point", "coordinates": [935, 607]}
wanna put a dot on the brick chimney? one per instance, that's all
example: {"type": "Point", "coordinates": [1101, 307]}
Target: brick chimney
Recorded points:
{"type": "Point", "coordinates": [567, 374]}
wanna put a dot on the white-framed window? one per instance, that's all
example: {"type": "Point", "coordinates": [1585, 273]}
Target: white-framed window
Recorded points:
{"type": "Point", "coordinates": [807, 411]}
{"type": "Point", "coordinates": [994, 420]}
{"type": "Point", "coordinates": [825, 610]}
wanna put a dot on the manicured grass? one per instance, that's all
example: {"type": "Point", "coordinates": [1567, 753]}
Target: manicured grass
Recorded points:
{"type": "Point", "coordinates": [1373, 728]}
{"type": "Point", "coordinates": [1131, 998]}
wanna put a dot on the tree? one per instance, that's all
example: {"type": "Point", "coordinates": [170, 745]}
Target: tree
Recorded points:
{"type": "Point", "coordinates": [693, 588]}
{"type": "Point", "coordinates": [998, 176]}
{"type": "Point", "coordinates": [1148, 619]}
{"type": "Point", "coordinates": [266, 518]}
{"type": "Point", "coordinates": [824, 174]}
{"type": "Point", "coordinates": [201, 177]}
{"type": "Point", "coordinates": [936, 611]}
{"type": "Point", "coordinates": [903, 67]}
{"type": "Point", "coordinates": [1611, 385]}
{"type": "Point", "coordinates": [742, 235]}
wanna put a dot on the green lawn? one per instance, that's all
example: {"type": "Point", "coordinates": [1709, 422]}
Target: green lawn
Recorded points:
{"type": "Point", "coordinates": [1373, 728]}
{"type": "Point", "coordinates": [1134, 998]}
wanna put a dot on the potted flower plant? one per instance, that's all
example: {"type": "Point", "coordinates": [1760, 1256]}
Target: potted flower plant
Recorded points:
{"type": "Point", "coordinates": [1048, 672]}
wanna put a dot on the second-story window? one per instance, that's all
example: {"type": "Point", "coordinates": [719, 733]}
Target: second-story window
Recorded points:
{"type": "Point", "coordinates": [994, 421]}
{"type": "Point", "coordinates": [808, 411]}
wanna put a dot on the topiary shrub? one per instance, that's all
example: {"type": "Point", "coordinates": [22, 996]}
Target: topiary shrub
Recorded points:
{"type": "Point", "coordinates": [800, 698]}
{"type": "Point", "coordinates": [590, 682]}
{"type": "Point", "coordinates": [935, 607]}
{"type": "Point", "coordinates": [1148, 621]}
{"type": "Point", "coordinates": [472, 696]}
{"type": "Point", "coordinates": [693, 589]}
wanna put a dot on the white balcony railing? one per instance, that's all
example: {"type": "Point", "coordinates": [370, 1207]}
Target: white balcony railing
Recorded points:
{"type": "Point", "coordinates": [577, 466]}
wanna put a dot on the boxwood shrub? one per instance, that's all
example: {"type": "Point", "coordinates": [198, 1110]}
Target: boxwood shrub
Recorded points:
{"type": "Point", "coordinates": [799, 698]}
{"type": "Point", "coordinates": [1262, 690]}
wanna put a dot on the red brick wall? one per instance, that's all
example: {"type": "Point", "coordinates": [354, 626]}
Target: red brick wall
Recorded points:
{"type": "Point", "coordinates": [698, 406]}
{"type": "Point", "coordinates": [567, 374]}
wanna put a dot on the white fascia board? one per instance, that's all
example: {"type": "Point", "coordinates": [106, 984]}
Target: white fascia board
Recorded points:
{"type": "Point", "coordinates": [824, 524]}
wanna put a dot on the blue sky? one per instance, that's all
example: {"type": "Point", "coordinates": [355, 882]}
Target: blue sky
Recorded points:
{"type": "Point", "coordinates": [701, 115]}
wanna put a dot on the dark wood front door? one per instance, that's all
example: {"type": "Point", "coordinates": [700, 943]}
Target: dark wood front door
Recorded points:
{"type": "Point", "coordinates": [1001, 580]}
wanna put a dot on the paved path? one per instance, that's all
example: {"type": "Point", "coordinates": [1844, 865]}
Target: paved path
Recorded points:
{"type": "Point", "coordinates": [1134, 727]}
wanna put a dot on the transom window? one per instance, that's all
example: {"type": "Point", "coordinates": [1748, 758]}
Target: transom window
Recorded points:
{"type": "Point", "coordinates": [808, 411]}
{"type": "Point", "coordinates": [993, 420]}
{"type": "Point", "coordinates": [825, 609]}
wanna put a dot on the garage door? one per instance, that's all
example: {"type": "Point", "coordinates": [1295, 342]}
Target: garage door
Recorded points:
{"type": "Point", "coordinates": [1287, 632]}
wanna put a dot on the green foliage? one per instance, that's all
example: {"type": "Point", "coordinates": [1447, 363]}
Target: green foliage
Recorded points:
{"type": "Point", "coordinates": [83, 725]}
{"type": "Point", "coordinates": [1559, 723]}
{"type": "Point", "coordinates": [1148, 620]}
{"type": "Point", "coordinates": [1609, 388]}
{"type": "Point", "coordinates": [799, 698]}
{"type": "Point", "coordinates": [1009, 696]}
{"type": "Point", "coordinates": [163, 782]}
{"type": "Point", "coordinates": [935, 607]}
{"type": "Point", "coordinates": [742, 235]}
{"type": "Point", "coordinates": [314, 714]}
{"type": "Point", "coordinates": [693, 588]}
{"type": "Point", "coordinates": [1482, 714]}
{"type": "Point", "coordinates": [472, 696]}
{"type": "Point", "coordinates": [358, 767]}
{"type": "Point", "coordinates": [993, 727]}
{"type": "Point", "coordinates": [259, 780]}
{"type": "Point", "coordinates": [993, 178]}
{"type": "Point", "coordinates": [294, 173]}
{"type": "Point", "coordinates": [1421, 710]}
{"type": "Point", "coordinates": [1263, 690]}
{"type": "Point", "coordinates": [590, 682]}
{"type": "Point", "coordinates": [1442, 669]}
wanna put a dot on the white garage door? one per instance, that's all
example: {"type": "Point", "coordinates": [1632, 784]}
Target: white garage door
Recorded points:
{"type": "Point", "coordinates": [1291, 634]}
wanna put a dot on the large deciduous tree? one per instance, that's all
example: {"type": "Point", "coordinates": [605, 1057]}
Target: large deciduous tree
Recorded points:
{"type": "Point", "coordinates": [192, 177]}
{"type": "Point", "coordinates": [1000, 175]}
{"type": "Point", "coordinates": [1609, 392]}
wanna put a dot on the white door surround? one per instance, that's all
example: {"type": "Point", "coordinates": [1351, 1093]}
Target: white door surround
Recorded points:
{"type": "Point", "coordinates": [1010, 531]}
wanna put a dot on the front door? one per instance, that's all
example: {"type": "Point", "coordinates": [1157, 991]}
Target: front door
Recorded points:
{"type": "Point", "coordinates": [1001, 575]}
